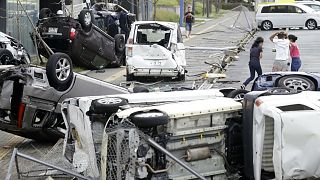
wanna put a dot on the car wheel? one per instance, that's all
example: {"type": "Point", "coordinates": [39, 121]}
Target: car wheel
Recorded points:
{"type": "Point", "coordinates": [45, 13]}
{"type": "Point", "coordinates": [6, 57]}
{"type": "Point", "coordinates": [149, 119]}
{"type": "Point", "coordinates": [311, 24]}
{"type": "Point", "coordinates": [299, 83]}
{"type": "Point", "coordinates": [59, 71]}
{"type": "Point", "coordinates": [237, 94]}
{"type": "Point", "coordinates": [140, 89]}
{"type": "Point", "coordinates": [281, 91]}
{"type": "Point", "coordinates": [119, 43]}
{"type": "Point", "coordinates": [107, 105]}
{"type": "Point", "coordinates": [85, 19]}
{"type": "Point", "coordinates": [267, 25]}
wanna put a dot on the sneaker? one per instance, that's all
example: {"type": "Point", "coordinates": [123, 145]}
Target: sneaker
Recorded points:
{"type": "Point", "coordinates": [243, 86]}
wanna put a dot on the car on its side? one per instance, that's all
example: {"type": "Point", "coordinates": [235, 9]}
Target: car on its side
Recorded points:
{"type": "Point", "coordinates": [286, 15]}
{"type": "Point", "coordinates": [12, 51]}
{"type": "Point", "coordinates": [88, 40]}
{"type": "Point", "coordinates": [315, 5]}
{"type": "Point", "coordinates": [155, 49]}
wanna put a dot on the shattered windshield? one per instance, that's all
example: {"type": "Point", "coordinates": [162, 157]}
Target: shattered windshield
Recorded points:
{"type": "Point", "coordinates": [153, 34]}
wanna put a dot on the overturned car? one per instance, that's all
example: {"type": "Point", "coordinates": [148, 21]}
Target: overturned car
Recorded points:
{"type": "Point", "coordinates": [266, 137]}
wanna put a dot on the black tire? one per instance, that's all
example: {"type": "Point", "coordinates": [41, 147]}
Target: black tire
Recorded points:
{"type": "Point", "coordinates": [311, 24]}
{"type": "Point", "coordinates": [59, 71]}
{"type": "Point", "coordinates": [129, 77]}
{"type": "Point", "coordinates": [45, 13]}
{"type": "Point", "coordinates": [120, 43]}
{"type": "Point", "coordinates": [86, 19]}
{"type": "Point", "coordinates": [149, 119]}
{"type": "Point", "coordinates": [6, 57]}
{"type": "Point", "coordinates": [237, 94]}
{"type": "Point", "coordinates": [181, 77]}
{"type": "Point", "coordinates": [107, 105]}
{"type": "Point", "coordinates": [296, 82]}
{"type": "Point", "coordinates": [266, 25]}
{"type": "Point", "coordinates": [140, 89]}
{"type": "Point", "coordinates": [281, 91]}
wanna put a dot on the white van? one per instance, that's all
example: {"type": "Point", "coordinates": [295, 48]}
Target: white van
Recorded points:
{"type": "Point", "coordinates": [271, 16]}
{"type": "Point", "coordinates": [155, 49]}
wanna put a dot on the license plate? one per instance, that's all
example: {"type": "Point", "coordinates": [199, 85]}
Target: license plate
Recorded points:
{"type": "Point", "coordinates": [52, 30]}
{"type": "Point", "coordinates": [156, 63]}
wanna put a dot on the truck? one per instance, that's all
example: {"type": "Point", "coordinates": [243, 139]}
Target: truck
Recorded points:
{"type": "Point", "coordinates": [198, 134]}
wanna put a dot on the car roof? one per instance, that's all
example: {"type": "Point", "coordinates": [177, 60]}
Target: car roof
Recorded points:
{"type": "Point", "coordinates": [171, 25]}
{"type": "Point", "coordinates": [308, 2]}
{"type": "Point", "coordinates": [300, 5]}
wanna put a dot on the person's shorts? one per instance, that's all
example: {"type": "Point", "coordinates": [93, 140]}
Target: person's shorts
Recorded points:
{"type": "Point", "coordinates": [280, 65]}
{"type": "Point", "coordinates": [188, 26]}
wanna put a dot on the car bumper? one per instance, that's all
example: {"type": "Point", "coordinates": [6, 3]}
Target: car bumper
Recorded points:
{"type": "Point", "coordinates": [154, 72]}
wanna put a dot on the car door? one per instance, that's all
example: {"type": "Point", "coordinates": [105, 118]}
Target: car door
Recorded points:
{"type": "Point", "coordinates": [280, 16]}
{"type": "Point", "coordinates": [296, 16]}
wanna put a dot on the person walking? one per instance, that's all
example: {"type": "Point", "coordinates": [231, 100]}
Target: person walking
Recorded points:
{"type": "Point", "coordinates": [189, 17]}
{"type": "Point", "coordinates": [281, 44]}
{"type": "Point", "coordinates": [294, 53]}
{"type": "Point", "coordinates": [254, 62]}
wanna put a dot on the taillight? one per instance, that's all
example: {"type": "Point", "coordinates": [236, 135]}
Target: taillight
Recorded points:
{"type": "Point", "coordinates": [129, 51]}
{"type": "Point", "coordinates": [22, 107]}
{"type": "Point", "coordinates": [72, 34]}
{"type": "Point", "coordinates": [258, 102]}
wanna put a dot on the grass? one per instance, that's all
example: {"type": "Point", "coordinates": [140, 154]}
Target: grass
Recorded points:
{"type": "Point", "coordinates": [168, 3]}
{"type": "Point", "coordinates": [162, 15]}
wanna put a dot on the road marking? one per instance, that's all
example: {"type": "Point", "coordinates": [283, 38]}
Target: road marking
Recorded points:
{"type": "Point", "coordinates": [210, 27]}
{"type": "Point", "coordinates": [116, 75]}
{"type": "Point", "coordinates": [13, 142]}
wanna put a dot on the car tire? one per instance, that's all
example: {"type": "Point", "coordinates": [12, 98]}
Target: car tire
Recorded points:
{"type": "Point", "coordinates": [59, 71]}
{"type": "Point", "coordinates": [6, 57]}
{"type": "Point", "coordinates": [181, 77]}
{"type": "Point", "coordinates": [299, 83]}
{"type": "Point", "coordinates": [86, 19]}
{"type": "Point", "coordinates": [267, 25]}
{"type": "Point", "coordinates": [311, 24]}
{"type": "Point", "coordinates": [140, 89]}
{"type": "Point", "coordinates": [237, 94]}
{"type": "Point", "coordinates": [120, 44]}
{"type": "Point", "coordinates": [281, 91]}
{"type": "Point", "coordinates": [45, 13]}
{"type": "Point", "coordinates": [149, 119]}
{"type": "Point", "coordinates": [107, 105]}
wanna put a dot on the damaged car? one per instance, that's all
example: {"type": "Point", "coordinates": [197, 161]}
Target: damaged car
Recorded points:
{"type": "Point", "coordinates": [12, 51]}
{"type": "Point", "coordinates": [31, 96]}
{"type": "Point", "coordinates": [265, 137]}
{"type": "Point", "coordinates": [88, 40]}
{"type": "Point", "coordinates": [155, 49]}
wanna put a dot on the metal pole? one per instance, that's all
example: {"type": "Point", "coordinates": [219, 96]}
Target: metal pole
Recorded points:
{"type": "Point", "coordinates": [181, 12]}
{"type": "Point", "coordinates": [132, 6]}
{"type": "Point", "coordinates": [193, 7]}
{"type": "Point", "coordinates": [160, 148]}
{"type": "Point", "coordinates": [9, 173]}
{"type": "Point", "coordinates": [51, 166]}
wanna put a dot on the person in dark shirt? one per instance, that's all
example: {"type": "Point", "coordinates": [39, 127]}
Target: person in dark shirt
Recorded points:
{"type": "Point", "coordinates": [189, 17]}
{"type": "Point", "coordinates": [254, 63]}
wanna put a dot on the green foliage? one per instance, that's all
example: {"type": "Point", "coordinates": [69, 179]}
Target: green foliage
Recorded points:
{"type": "Point", "coordinates": [162, 15]}
{"type": "Point", "coordinates": [167, 2]}
{"type": "Point", "coordinates": [198, 8]}
{"type": "Point", "coordinates": [229, 6]}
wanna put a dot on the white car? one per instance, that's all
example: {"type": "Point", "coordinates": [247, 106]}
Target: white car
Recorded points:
{"type": "Point", "coordinates": [271, 16]}
{"type": "Point", "coordinates": [155, 49]}
{"type": "Point", "coordinates": [12, 51]}
{"type": "Point", "coordinates": [315, 5]}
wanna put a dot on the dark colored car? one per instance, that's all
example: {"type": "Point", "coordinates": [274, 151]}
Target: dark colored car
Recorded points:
{"type": "Point", "coordinates": [299, 81]}
{"type": "Point", "coordinates": [92, 40]}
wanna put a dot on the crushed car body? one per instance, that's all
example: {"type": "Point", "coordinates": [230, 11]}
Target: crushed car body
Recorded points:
{"type": "Point", "coordinates": [155, 48]}
{"type": "Point", "coordinates": [266, 137]}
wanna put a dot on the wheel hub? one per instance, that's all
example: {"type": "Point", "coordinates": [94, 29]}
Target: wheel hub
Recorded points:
{"type": "Point", "coordinates": [297, 84]}
{"type": "Point", "coordinates": [63, 69]}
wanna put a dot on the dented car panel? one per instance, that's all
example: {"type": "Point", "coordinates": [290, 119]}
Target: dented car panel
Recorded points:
{"type": "Point", "coordinates": [155, 49]}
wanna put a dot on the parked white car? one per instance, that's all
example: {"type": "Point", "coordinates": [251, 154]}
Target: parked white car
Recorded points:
{"type": "Point", "coordinates": [155, 49]}
{"type": "Point", "coordinates": [315, 5]}
{"type": "Point", "coordinates": [271, 16]}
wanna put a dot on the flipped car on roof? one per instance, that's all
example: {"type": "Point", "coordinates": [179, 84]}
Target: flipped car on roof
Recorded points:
{"type": "Point", "coordinates": [266, 137]}
{"type": "Point", "coordinates": [90, 40]}
{"type": "Point", "coordinates": [12, 51]}
{"type": "Point", "coordinates": [155, 49]}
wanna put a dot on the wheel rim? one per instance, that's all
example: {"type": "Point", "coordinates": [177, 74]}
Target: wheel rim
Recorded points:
{"type": "Point", "coordinates": [109, 101]}
{"type": "Point", "coordinates": [150, 114]}
{"type": "Point", "coordinates": [267, 25]}
{"type": "Point", "coordinates": [297, 84]}
{"type": "Point", "coordinates": [311, 24]}
{"type": "Point", "coordinates": [87, 19]}
{"type": "Point", "coordinates": [63, 69]}
{"type": "Point", "coordinates": [239, 96]}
